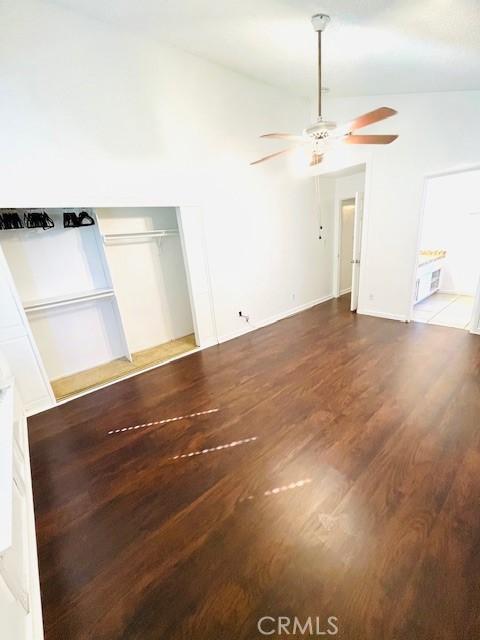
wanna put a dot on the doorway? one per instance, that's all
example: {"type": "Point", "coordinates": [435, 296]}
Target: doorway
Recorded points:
{"type": "Point", "coordinates": [447, 275]}
{"type": "Point", "coordinates": [347, 190]}
{"type": "Point", "coordinates": [341, 206]}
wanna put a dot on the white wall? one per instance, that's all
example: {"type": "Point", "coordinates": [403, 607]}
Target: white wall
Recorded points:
{"type": "Point", "coordinates": [437, 132]}
{"type": "Point", "coordinates": [99, 117]}
{"type": "Point", "coordinates": [452, 222]}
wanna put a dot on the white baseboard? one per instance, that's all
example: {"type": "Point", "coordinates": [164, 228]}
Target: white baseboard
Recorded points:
{"type": "Point", "coordinates": [344, 291]}
{"type": "Point", "coordinates": [258, 324]}
{"type": "Point", "coordinates": [236, 334]}
{"type": "Point", "coordinates": [211, 342]}
{"type": "Point", "coordinates": [38, 406]}
{"type": "Point", "coordinates": [382, 314]}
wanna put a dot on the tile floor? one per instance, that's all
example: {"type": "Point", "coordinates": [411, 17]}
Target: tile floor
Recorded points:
{"type": "Point", "coordinates": [446, 309]}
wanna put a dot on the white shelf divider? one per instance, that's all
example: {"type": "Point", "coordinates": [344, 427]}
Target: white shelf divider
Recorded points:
{"type": "Point", "coordinates": [61, 301]}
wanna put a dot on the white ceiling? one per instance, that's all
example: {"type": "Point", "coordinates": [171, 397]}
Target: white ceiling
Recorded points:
{"type": "Point", "coordinates": [370, 47]}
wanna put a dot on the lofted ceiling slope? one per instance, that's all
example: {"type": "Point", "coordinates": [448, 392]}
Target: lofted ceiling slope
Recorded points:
{"type": "Point", "coordinates": [371, 46]}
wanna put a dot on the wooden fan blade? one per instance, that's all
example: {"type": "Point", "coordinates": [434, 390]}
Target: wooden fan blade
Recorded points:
{"type": "Point", "coordinates": [273, 155]}
{"type": "Point", "coordinates": [316, 159]}
{"type": "Point", "coordinates": [369, 139]}
{"type": "Point", "coordinates": [286, 136]}
{"type": "Point", "coordinates": [370, 118]}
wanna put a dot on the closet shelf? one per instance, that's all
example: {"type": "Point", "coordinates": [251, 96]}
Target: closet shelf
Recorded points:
{"type": "Point", "coordinates": [62, 301]}
{"type": "Point", "coordinates": [157, 233]}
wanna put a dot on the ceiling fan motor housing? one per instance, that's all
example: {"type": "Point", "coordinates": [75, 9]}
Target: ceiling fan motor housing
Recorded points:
{"type": "Point", "coordinates": [320, 129]}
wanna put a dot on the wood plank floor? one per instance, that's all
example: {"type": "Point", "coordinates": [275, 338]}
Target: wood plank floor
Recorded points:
{"type": "Point", "coordinates": [351, 488]}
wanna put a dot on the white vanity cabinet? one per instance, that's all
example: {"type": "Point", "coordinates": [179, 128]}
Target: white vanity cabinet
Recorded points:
{"type": "Point", "coordinates": [20, 607]}
{"type": "Point", "coordinates": [428, 278]}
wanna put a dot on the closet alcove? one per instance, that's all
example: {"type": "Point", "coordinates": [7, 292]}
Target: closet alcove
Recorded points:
{"type": "Point", "coordinates": [105, 300]}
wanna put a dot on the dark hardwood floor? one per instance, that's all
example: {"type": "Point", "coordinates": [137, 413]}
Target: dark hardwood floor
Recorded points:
{"type": "Point", "coordinates": [351, 489]}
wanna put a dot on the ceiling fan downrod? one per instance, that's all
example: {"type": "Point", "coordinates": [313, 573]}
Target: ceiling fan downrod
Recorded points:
{"type": "Point", "coordinates": [319, 22]}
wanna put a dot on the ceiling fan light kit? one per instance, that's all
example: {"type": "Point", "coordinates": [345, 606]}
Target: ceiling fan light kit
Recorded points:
{"type": "Point", "coordinates": [322, 133]}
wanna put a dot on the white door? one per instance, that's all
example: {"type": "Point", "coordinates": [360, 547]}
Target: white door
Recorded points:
{"type": "Point", "coordinates": [357, 242]}
{"type": "Point", "coordinates": [347, 219]}
{"type": "Point", "coordinates": [475, 319]}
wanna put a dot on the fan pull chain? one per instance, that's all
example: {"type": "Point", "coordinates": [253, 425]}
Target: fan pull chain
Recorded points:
{"type": "Point", "coordinates": [319, 205]}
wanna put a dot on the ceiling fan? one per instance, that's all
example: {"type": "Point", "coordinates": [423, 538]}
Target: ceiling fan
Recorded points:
{"type": "Point", "coordinates": [323, 132]}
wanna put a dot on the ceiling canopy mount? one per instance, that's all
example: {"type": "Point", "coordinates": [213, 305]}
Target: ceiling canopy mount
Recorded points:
{"type": "Point", "coordinates": [320, 21]}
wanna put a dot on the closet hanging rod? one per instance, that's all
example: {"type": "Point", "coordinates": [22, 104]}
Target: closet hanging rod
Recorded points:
{"type": "Point", "coordinates": [158, 233]}
{"type": "Point", "coordinates": [62, 301]}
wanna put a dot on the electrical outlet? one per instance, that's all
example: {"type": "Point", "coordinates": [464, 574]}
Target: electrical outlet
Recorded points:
{"type": "Point", "coordinates": [293, 296]}
{"type": "Point", "coordinates": [371, 296]}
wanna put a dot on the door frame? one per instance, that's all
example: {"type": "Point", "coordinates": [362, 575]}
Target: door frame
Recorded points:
{"type": "Point", "coordinates": [475, 319]}
{"type": "Point", "coordinates": [339, 204]}
{"type": "Point", "coordinates": [336, 170]}
{"type": "Point", "coordinates": [191, 229]}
